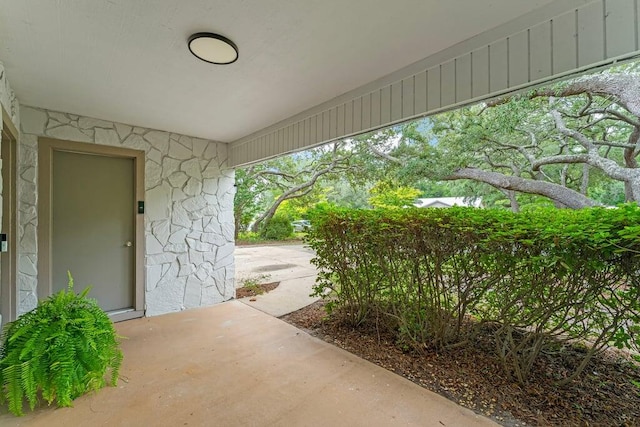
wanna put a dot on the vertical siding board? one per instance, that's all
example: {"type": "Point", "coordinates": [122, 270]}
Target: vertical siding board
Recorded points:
{"type": "Point", "coordinates": [307, 132]}
{"type": "Point", "coordinates": [564, 42]}
{"type": "Point", "coordinates": [348, 118]}
{"type": "Point", "coordinates": [540, 51]}
{"type": "Point", "coordinates": [299, 134]}
{"type": "Point", "coordinates": [375, 108]}
{"type": "Point", "coordinates": [463, 78]}
{"type": "Point", "coordinates": [408, 97]}
{"type": "Point", "coordinates": [333, 122]}
{"type": "Point", "coordinates": [480, 71]}
{"type": "Point", "coordinates": [291, 140]}
{"type": "Point", "coordinates": [518, 59]}
{"type": "Point", "coordinates": [280, 142]}
{"type": "Point", "coordinates": [286, 140]}
{"type": "Point", "coordinates": [448, 83]}
{"type": "Point", "coordinates": [590, 34]}
{"type": "Point", "coordinates": [340, 122]}
{"type": "Point", "coordinates": [366, 112]}
{"type": "Point", "coordinates": [326, 126]}
{"type": "Point", "coordinates": [420, 93]}
{"type": "Point", "coordinates": [385, 105]}
{"type": "Point", "coordinates": [253, 148]}
{"type": "Point", "coordinates": [293, 143]}
{"type": "Point", "coordinates": [433, 88]}
{"type": "Point", "coordinates": [621, 27]}
{"type": "Point", "coordinates": [396, 101]}
{"type": "Point", "coordinates": [357, 114]}
{"type": "Point", "coordinates": [260, 147]}
{"type": "Point", "coordinates": [313, 130]}
{"type": "Point", "coordinates": [498, 66]}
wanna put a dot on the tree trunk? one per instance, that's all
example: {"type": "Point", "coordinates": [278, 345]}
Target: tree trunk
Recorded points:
{"type": "Point", "coordinates": [513, 201]}
{"type": "Point", "coordinates": [295, 192]}
{"type": "Point", "coordinates": [557, 193]}
{"type": "Point", "coordinates": [584, 185]}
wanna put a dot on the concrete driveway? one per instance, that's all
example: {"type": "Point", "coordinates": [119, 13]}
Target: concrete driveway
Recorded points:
{"type": "Point", "coordinates": [288, 264]}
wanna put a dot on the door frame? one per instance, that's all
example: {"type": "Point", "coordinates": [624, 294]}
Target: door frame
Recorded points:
{"type": "Point", "coordinates": [46, 147]}
{"type": "Point", "coordinates": [8, 282]}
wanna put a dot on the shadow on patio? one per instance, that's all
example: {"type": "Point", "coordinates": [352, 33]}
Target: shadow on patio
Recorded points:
{"type": "Point", "coordinates": [232, 365]}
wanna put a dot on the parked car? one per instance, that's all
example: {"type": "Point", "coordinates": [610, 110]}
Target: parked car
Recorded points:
{"type": "Point", "coordinates": [301, 225]}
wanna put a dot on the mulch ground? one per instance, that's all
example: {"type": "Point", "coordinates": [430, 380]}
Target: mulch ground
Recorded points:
{"type": "Point", "coordinates": [473, 377]}
{"type": "Point", "coordinates": [253, 290]}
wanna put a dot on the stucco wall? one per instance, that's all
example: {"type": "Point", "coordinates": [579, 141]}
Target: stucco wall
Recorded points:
{"type": "Point", "coordinates": [189, 209]}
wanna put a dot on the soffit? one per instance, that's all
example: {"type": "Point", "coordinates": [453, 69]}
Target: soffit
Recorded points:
{"type": "Point", "coordinates": [127, 61]}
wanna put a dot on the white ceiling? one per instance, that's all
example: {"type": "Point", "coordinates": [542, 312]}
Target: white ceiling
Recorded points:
{"type": "Point", "coordinates": [127, 60]}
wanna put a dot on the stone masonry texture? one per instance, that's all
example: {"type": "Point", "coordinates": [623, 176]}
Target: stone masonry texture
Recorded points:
{"type": "Point", "coordinates": [188, 220]}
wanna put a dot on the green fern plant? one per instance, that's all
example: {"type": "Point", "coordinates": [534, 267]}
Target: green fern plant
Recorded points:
{"type": "Point", "coordinates": [60, 350]}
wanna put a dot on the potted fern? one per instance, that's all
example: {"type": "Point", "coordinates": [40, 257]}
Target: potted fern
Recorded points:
{"type": "Point", "coordinates": [60, 350]}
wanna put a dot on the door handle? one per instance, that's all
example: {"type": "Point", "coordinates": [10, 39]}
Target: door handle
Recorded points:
{"type": "Point", "coordinates": [128, 244]}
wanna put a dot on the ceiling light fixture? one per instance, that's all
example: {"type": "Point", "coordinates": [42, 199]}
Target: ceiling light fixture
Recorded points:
{"type": "Point", "coordinates": [213, 48]}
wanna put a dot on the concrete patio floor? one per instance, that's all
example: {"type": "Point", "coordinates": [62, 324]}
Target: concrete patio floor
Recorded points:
{"type": "Point", "coordinates": [233, 365]}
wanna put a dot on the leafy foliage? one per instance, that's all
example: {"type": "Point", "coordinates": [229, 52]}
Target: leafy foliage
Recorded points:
{"type": "Point", "coordinates": [581, 135]}
{"type": "Point", "coordinates": [541, 277]}
{"type": "Point", "coordinates": [387, 194]}
{"type": "Point", "coordinates": [278, 228]}
{"type": "Point", "coordinates": [61, 349]}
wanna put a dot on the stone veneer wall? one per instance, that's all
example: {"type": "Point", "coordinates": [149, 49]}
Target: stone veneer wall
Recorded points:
{"type": "Point", "coordinates": [8, 99]}
{"type": "Point", "coordinates": [10, 104]}
{"type": "Point", "coordinates": [189, 209]}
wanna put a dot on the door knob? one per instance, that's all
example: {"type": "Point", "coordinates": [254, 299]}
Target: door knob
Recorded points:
{"type": "Point", "coordinates": [128, 244]}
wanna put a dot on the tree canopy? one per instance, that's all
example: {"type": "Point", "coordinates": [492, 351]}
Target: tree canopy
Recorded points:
{"type": "Point", "coordinates": [573, 144]}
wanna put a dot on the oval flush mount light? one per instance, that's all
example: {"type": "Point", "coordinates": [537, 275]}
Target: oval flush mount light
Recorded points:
{"type": "Point", "coordinates": [213, 48]}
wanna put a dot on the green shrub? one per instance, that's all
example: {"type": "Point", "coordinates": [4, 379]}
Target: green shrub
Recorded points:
{"type": "Point", "coordinates": [61, 349]}
{"type": "Point", "coordinates": [278, 228]}
{"type": "Point", "coordinates": [540, 277]}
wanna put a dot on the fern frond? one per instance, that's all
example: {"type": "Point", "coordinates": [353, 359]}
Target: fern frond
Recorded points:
{"type": "Point", "coordinates": [63, 349]}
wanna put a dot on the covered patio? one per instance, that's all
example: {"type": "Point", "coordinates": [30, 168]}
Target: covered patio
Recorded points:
{"type": "Point", "coordinates": [115, 81]}
{"type": "Point", "coordinates": [232, 365]}
{"type": "Point", "coordinates": [108, 94]}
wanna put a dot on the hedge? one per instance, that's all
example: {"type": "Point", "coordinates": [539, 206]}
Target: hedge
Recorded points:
{"type": "Point", "coordinates": [435, 276]}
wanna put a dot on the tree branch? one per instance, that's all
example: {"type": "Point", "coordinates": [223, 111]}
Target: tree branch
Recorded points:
{"type": "Point", "coordinates": [554, 160]}
{"type": "Point", "coordinates": [555, 192]}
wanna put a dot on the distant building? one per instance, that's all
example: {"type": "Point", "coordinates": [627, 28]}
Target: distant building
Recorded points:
{"type": "Point", "coordinates": [447, 202]}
